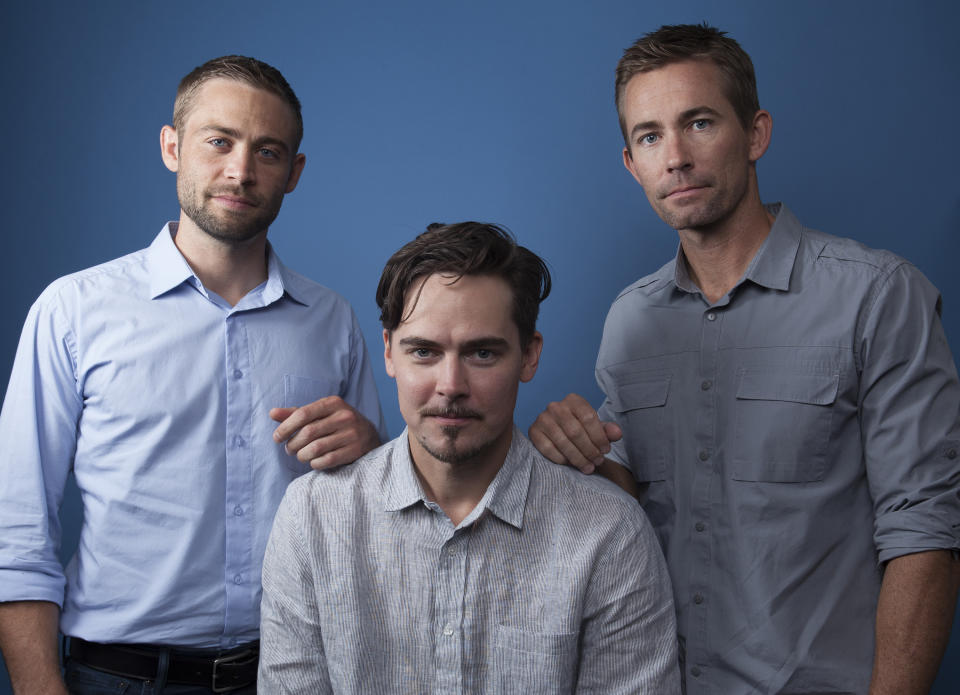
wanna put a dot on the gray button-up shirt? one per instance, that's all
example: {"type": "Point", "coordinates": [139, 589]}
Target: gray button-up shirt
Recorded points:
{"type": "Point", "coordinates": [553, 584]}
{"type": "Point", "coordinates": [791, 436]}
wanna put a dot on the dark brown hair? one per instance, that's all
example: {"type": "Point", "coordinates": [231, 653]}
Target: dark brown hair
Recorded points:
{"type": "Point", "coordinates": [466, 248]}
{"type": "Point", "coordinates": [674, 43]}
{"type": "Point", "coordinates": [250, 71]}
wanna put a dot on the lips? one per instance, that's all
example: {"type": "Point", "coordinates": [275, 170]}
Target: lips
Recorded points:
{"type": "Point", "coordinates": [450, 415]}
{"type": "Point", "coordinates": [684, 191]}
{"type": "Point", "coordinates": [234, 200]}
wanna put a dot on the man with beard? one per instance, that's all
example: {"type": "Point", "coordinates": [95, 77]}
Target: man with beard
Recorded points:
{"type": "Point", "coordinates": [455, 558]}
{"type": "Point", "coordinates": [151, 377]}
{"type": "Point", "coordinates": [784, 401]}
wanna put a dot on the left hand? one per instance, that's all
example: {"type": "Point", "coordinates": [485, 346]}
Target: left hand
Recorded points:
{"type": "Point", "coordinates": [325, 433]}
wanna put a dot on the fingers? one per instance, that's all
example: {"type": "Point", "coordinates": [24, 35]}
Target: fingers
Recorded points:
{"type": "Point", "coordinates": [613, 432]}
{"type": "Point", "coordinates": [279, 415]}
{"type": "Point", "coordinates": [292, 419]}
{"type": "Point", "coordinates": [325, 433]}
{"type": "Point", "coordinates": [570, 432]}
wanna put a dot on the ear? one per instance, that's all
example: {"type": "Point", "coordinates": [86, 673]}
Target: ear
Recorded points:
{"type": "Point", "coordinates": [295, 171]}
{"type": "Point", "coordinates": [169, 148]}
{"type": "Point", "coordinates": [387, 357]}
{"type": "Point", "coordinates": [760, 132]}
{"type": "Point", "coordinates": [531, 357]}
{"type": "Point", "coordinates": [628, 164]}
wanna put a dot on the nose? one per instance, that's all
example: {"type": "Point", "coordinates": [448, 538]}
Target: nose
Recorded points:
{"type": "Point", "coordinates": [452, 378]}
{"type": "Point", "coordinates": [677, 154]}
{"type": "Point", "coordinates": [240, 165]}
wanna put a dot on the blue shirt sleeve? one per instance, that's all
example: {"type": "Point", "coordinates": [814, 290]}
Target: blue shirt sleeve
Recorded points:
{"type": "Point", "coordinates": [38, 426]}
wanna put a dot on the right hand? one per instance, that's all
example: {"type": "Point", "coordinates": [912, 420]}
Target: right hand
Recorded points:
{"type": "Point", "coordinates": [570, 432]}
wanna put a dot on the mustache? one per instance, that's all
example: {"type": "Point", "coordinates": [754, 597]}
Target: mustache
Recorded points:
{"type": "Point", "coordinates": [450, 411]}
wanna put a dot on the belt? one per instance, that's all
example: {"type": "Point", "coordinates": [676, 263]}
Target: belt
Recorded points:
{"type": "Point", "coordinates": [221, 671]}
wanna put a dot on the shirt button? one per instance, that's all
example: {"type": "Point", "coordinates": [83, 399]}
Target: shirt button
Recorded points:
{"type": "Point", "coordinates": [951, 453]}
{"type": "Point", "coordinates": [240, 442]}
{"type": "Point", "coordinates": [704, 455]}
{"type": "Point", "coordinates": [448, 629]}
{"type": "Point", "coordinates": [695, 672]}
{"type": "Point", "coordinates": [711, 316]}
{"type": "Point", "coordinates": [451, 551]}
{"type": "Point", "coordinates": [700, 526]}
{"type": "Point", "coordinates": [705, 385]}
{"type": "Point", "coordinates": [237, 579]}
{"type": "Point", "coordinates": [238, 510]}
{"type": "Point", "coordinates": [237, 374]}
{"type": "Point", "coordinates": [698, 599]}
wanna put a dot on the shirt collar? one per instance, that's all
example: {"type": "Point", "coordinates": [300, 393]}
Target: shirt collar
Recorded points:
{"type": "Point", "coordinates": [505, 498]}
{"type": "Point", "coordinates": [771, 266]}
{"type": "Point", "coordinates": [168, 269]}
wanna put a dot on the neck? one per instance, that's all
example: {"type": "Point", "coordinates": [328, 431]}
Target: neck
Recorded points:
{"type": "Point", "coordinates": [719, 256]}
{"type": "Point", "coordinates": [456, 487]}
{"type": "Point", "coordinates": [231, 269]}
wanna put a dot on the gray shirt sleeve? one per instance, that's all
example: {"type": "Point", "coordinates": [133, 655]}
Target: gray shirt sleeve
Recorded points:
{"type": "Point", "coordinates": [909, 419]}
{"type": "Point", "coordinates": [629, 632]}
{"type": "Point", "coordinates": [292, 658]}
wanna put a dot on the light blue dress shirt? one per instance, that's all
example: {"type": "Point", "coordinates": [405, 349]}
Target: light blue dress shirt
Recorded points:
{"type": "Point", "coordinates": [156, 392]}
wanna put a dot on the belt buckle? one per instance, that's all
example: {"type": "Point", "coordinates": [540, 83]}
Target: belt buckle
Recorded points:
{"type": "Point", "coordinates": [245, 656]}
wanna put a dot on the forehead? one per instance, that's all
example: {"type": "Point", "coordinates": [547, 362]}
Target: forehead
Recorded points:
{"type": "Point", "coordinates": [675, 88]}
{"type": "Point", "coordinates": [472, 306]}
{"type": "Point", "coordinates": [231, 103]}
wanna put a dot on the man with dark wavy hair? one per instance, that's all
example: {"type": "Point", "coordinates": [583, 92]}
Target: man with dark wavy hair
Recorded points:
{"type": "Point", "coordinates": [785, 404]}
{"type": "Point", "coordinates": [151, 378]}
{"type": "Point", "coordinates": [456, 558]}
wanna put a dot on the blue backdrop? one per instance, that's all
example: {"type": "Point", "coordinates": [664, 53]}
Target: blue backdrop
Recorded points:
{"type": "Point", "coordinates": [499, 111]}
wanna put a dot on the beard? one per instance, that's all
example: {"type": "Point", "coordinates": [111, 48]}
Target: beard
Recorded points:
{"type": "Point", "coordinates": [447, 450]}
{"type": "Point", "coordinates": [228, 226]}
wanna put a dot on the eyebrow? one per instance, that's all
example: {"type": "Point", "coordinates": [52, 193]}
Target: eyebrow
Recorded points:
{"type": "Point", "coordinates": [685, 116]}
{"type": "Point", "coordinates": [235, 134]}
{"type": "Point", "coordinates": [475, 344]}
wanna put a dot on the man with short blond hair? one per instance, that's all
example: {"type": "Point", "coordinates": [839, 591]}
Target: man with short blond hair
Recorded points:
{"type": "Point", "coordinates": [151, 378]}
{"type": "Point", "coordinates": [784, 402]}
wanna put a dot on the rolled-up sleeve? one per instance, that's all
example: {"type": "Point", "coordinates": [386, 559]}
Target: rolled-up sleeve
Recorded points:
{"type": "Point", "coordinates": [910, 418]}
{"type": "Point", "coordinates": [38, 427]}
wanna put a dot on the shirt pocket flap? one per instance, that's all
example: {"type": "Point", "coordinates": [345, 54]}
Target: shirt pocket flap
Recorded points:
{"type": "Point", "coordinates": [649, 393]}
{"type": "Point", "coordinates": [815, 389]}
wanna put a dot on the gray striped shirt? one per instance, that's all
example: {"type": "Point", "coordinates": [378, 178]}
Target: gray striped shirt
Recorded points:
{"type": "Point", "coordinates": [553, 584]}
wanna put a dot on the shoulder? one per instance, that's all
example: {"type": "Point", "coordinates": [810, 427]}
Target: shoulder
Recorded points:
{"type": "Point", "coordinates": [321, 493]}
{"type": "Point", "coordinates": [126, 274]}
{"type": "Point", "coordinates": [317, 299]}
{"type": "Point", "coordinates": [587, 501]}
{"type": "Point", "coordinates": [854, 269]}
{"type": "Point", "coordinates": [827, 248]}
{"type": "Point", "coordinates": [648, 285]}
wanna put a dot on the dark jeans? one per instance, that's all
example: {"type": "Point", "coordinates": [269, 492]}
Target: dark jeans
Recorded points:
{"type": "Point", "coordinates": [82, 680]}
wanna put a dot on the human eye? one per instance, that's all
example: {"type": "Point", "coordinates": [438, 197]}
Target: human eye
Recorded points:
{"type": "Point", "coordinates": [700, 124]}
{"type": "Point", "coordinates": [421, 353]}
{"type": "Point", "coordinates": [648, 139]}
{"type": "Point", "coordinates": [268, 153]}
{"type": "Point", "coordinates": [218, 142]}
{"type": "Point", "coordinates": [484, 355]}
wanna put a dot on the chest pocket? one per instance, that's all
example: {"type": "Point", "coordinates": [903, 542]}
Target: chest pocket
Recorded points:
{"type": "Point", "coordinates": [640, 407]}
{"type": "Point", "coordinates": [524, 658]}
{"type": "Point", "coordinates": [782, 425]}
